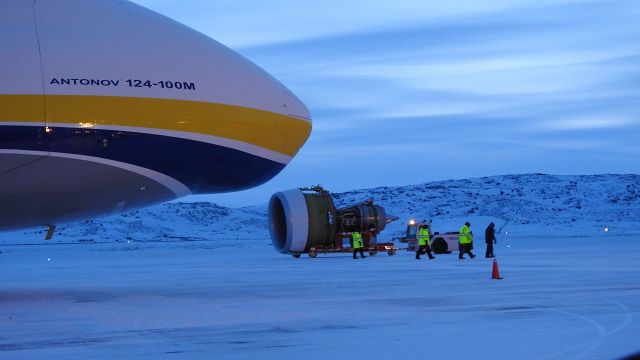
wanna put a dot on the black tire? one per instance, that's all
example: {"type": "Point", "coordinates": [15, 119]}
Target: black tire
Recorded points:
{"type": "Point", "coordinates": [439, 246]}
{"type": "Point", "coordinates": [391, 252]}
{"type": "Point", "coordinates": [372, 253]}
{"type": "Point", "coordinates": [297, 256]}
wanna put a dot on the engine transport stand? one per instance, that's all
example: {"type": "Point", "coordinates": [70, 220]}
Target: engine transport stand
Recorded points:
{"type": "Point", "coordinates": [369, 240]}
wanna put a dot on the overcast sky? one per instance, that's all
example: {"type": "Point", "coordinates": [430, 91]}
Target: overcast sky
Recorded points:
{"type": "Point", "coordinates": [413, 91]}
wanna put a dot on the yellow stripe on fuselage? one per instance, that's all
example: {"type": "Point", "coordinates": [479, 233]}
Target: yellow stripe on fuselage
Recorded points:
{"type": "Point", "coordinates": [276, 132]}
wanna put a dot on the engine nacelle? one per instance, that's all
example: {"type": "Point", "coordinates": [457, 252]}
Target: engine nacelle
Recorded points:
{"type": "Point", "coordinates": [301, 219]}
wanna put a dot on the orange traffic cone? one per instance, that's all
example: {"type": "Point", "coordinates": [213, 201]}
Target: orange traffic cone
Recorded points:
{"type": "Point", "coordinates": [496, 273]}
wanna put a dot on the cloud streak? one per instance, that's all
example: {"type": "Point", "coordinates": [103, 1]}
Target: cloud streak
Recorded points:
{"type": "Point", "coordinates": [466, 88]}
{"type": "Point", "coordinates": [255, 22]}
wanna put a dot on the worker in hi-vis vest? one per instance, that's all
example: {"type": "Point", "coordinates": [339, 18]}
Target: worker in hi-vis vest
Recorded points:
{"type": "Point", "coordinates": [424, 242]}
{"type": "Point", "coordinates": [465, 241]}
{"type": "Point", "coordinates": [357, 244]}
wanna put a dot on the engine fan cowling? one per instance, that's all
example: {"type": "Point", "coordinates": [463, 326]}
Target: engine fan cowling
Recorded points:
{"type": "Point", "coordinates": [299, 221]}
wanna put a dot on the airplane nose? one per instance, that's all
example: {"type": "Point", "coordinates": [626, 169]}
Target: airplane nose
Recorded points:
{"type": "Point", "coordinates": [294, 107]}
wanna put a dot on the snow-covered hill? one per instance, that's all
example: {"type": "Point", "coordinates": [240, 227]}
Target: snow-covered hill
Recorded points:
{"type": "Point", "coordinates": [541, 203]}
{"type": "Point", "coordinates": [546, 202]}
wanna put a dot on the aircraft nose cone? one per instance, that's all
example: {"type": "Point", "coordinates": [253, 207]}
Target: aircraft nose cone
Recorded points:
{"type": "Point", "coordinates": [295, 107]}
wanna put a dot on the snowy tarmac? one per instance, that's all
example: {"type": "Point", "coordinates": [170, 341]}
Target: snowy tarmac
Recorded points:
{"type": "Point", "coordinates": [561, 298]}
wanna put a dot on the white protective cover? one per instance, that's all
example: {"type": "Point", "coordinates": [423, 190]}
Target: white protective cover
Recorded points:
{"type": "Point", "coordinates": [297, 217]}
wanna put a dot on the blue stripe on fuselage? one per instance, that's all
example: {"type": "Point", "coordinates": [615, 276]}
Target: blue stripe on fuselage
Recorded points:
{"type": "Point", "coordinates": [203, 167]}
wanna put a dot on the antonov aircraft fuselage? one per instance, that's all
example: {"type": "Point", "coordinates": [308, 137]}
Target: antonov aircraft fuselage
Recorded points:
{"type": "Point", "coordinates": [106, 106]}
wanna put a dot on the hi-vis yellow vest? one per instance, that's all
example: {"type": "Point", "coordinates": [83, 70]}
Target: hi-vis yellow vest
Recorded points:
{"type": "Point", "coordinates": [357, 240]}
{"type": "Point", "coordinates": [423, 237]}
{"type": "Point", "coordinates": [465, 235]}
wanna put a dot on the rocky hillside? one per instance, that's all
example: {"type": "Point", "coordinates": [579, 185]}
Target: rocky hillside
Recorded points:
{"type": "Point", "coordinates": [582, 202]}
{"type": "Point", "coordinates": [522, 199]}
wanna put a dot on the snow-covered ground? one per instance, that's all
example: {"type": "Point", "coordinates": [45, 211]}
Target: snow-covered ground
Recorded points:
{"type": "Point", "coordinates": [197, 280]}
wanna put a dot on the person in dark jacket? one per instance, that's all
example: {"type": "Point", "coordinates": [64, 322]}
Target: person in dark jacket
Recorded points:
{"type": "Point", "coordinates": [490, 239]}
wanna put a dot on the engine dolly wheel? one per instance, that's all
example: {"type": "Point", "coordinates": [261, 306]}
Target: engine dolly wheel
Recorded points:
{"type": "Point", "coordinates": [297, 256]}
{"type": "Point", "coordinates": [372, 253]}
{"type": "Point", "coordinates": [313, 252]}
{"type": "Point", "coordinates": [391, 252]}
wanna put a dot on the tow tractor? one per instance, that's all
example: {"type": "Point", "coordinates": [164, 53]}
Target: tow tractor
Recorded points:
{"type": "Point", "coordinates": [443, 243]}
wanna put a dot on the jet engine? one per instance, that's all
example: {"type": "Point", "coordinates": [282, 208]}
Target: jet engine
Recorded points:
{"type": "Point", "coordinates": [305, 218]}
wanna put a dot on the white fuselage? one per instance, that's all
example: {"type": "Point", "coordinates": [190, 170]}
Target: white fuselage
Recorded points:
{"type": "Point", "coordinates": [107, 106]}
